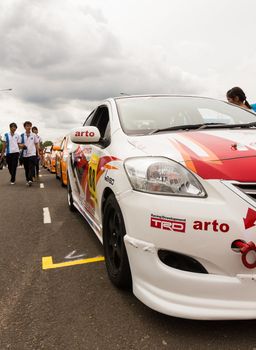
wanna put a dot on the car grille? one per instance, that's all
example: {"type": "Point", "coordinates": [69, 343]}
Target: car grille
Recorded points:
{"type": "Point", "coordinates": [247, 188]}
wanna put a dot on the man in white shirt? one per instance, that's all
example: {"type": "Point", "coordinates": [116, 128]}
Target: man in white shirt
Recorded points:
{"type": "Point", "coordinates": [30, 150]}
{"type": "Point", "coordinates": [36, 172]}
{"type": "Point", "coordinates": [11, 144]}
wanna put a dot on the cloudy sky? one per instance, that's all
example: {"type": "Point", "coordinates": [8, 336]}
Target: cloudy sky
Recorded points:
{"type": "Point", "coordinates": [61, 57]}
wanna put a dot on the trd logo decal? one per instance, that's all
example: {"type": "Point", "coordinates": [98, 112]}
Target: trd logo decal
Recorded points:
{"type": "Point", "coordinates": [169, 224]}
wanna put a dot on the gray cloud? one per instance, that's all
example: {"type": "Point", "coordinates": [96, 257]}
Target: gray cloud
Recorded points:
{"type": "Point", "coordinates": [61, 56]}
{"type": "Point", "coordinates": [83, 59]}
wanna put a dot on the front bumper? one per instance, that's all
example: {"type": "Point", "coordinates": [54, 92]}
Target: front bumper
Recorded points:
{"type": "Point", "coordinates": [228, 291]}
{"type": "Point", "coordinates": [185, 294]}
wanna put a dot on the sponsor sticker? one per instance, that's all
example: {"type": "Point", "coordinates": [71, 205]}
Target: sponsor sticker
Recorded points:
{"type": "Point", "coordinates": [92, 172]}
{"type": "Point", "coordinates": [213, 225]}
{"type": "Point", "coordinates": [85, 133]}
{"type": "Point", "coordinates": [109, 179]}
{"type": "Point", "coordinates": [179, 225]}
{"type": "Point", "coordinates": [168, 223]}
{"type": "Point", "coordinates": [87, 150]}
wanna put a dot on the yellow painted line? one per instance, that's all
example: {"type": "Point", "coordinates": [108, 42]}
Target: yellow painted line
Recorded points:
{"type": "Point", "coordinates": [47, 262]}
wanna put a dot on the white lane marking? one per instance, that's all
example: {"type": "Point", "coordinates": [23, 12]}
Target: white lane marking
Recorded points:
{"type": "Point", "coordinates": [47, 216]}
{"type": "Point", "coordinates": [41, 185]}
{"type": "Point", "coordinates": [72, 256]}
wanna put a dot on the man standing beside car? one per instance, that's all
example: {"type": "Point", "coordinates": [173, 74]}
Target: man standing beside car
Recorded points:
{"type": "Point", "coordinates": [11, 144]}
{"type": "Point", "coordinates": [30, 143]}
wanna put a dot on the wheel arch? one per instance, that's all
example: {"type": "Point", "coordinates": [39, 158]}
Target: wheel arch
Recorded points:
{"type": "Point", "coordinates": [121, 275]}
{"type": "Point", "coordinates": [106, 193]}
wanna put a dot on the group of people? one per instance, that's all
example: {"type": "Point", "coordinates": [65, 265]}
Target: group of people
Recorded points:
{"type": "Point", "coordinates": [24, 147]}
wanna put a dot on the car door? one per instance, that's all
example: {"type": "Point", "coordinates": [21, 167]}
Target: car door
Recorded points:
{"type": "Point", "coordinates": [89, 160]}
{"type": "Point", "coordinates": [67, 147]}
{"type": "Point", "coordinates": [59, 157]}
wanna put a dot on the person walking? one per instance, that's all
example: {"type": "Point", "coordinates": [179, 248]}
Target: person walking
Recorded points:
{"type": "Point", "coordinates": [36, 171]}
{"type": "Point", "coordinates": [11, 144]}
{"type": "Point", "coordinates": [30, 142]}
{"type": "Point", "coordinates": [237, 96]}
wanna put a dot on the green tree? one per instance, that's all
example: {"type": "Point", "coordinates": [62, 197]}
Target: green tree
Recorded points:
{"type": "Point", "coordinates": [47, 143]}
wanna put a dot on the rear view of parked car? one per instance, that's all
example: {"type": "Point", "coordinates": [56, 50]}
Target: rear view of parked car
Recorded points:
{"type": "Point", "coordinates": [45, 159]}
{"type": "Point", "coordinates": [62, 152]}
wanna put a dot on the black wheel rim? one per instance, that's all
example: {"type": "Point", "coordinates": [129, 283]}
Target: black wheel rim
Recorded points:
{"type": "Point", "coordinates": [114, 240]}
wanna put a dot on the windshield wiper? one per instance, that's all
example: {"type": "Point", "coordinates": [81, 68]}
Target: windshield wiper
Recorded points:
{"type": "Point", "coordinates": [204, 126]}
{"type": "Point", "coordinates": [188, 127]}
{"type": "Point", "coordinates": [243, 125]}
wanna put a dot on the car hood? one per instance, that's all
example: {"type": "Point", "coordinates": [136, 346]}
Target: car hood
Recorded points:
{"type": "Point", "coordinates": [212, 154]}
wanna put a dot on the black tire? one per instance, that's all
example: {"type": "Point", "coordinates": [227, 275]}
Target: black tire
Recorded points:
{"type": "Point", "coordinates": [116, 258]}
{"type": "Point", "coordinates": [70, 199]}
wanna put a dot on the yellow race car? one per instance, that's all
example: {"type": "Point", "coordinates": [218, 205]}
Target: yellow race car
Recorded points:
{"type": "Point", "coordinates": [61, 159]}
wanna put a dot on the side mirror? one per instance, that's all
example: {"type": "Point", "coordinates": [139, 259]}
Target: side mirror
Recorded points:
{"type": "Point", "coordinates": [85, 134]}
{"type": "Point", "coordinates": [56, 148]}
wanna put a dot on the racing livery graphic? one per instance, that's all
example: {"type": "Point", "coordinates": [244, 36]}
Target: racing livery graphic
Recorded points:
{"type": "Point", "coordinates": [89, 171]}
{"type": "Point", "coordinates": [214, 157]}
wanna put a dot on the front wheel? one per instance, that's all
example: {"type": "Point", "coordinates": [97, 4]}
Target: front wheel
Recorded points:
{"type": "Point", "coordinates": [116, 258]}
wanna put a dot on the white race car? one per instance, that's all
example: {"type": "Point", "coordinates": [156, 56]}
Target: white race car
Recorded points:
{"type": "Point", "coordinates": [168, 184]}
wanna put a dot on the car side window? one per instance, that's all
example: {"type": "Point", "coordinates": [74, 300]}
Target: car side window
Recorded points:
{"type": "Point", "coordinates": [100, 119]}
{"type": "Point", "coordinates": [88, 120]}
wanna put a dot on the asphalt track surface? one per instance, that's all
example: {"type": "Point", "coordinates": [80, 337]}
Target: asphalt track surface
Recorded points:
{"type": "Point", "coordinates": [77, 307]}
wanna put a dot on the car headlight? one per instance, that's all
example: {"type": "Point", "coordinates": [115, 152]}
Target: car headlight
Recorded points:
{"type": "Point", "coordinates": [161, 175]}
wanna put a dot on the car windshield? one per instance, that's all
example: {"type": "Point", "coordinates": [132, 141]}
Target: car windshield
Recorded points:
{"type": "Point", "coordinates": [145, 115]}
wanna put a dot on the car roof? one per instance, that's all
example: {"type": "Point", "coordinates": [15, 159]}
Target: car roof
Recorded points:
{"type": "Point", "coordinates": [160, 95]}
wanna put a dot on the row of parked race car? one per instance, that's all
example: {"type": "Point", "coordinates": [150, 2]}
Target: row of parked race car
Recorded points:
{"type": "Point", "coordinates": [55, 158]}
